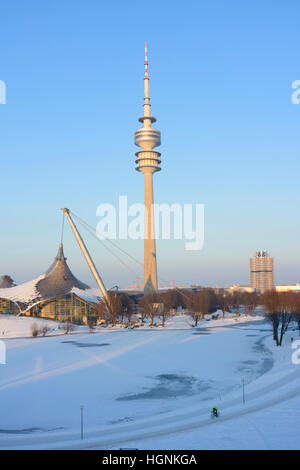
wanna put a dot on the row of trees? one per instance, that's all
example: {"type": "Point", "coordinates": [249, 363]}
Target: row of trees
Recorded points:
{"type": "Point", "coordinates": [206, 301]}
{"type": "Point", "coordinates": [281, 308]}
{"type": "Point", "coordinates": [158, 305]}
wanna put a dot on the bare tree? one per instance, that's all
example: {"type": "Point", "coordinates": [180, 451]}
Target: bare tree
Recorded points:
{"type": "Point", "coordinates": [278, 307]}
{"type": "Point", "coordinates": [203, 302]}
{"type": "Point", "coordinates": [150, 305]}
{"type": "Point", "coordinates": [91, 323]}
{"type": "Point", "coordinates": [127, 307]}
{"type": "Point", "coordinates": [296, 308]}
{"type": "Point", "coordinates": [236, 302]}
{"type": "Point", "coordinates": [68, 327]}
{"type": "Point", "coordinates": [250, 301]}
{"type": "Point", "coordinates": [182, 297]}
{"type": "Point", "coordinates": [34, 330]}
{"type": "Point", "coordinates": [175, 297]}
{"type": "Point", "coordinates": [224, 300]}
{"type": "Point", "coordinates": [271, 304]}
{"type": "Point", "coordinates": [164, 314]}
{"type": "Point", "coordinates": [166, 302]}
{"type": "Point", "coordinates": [199, 305]}
{"type": "Point", "coordinates": [286, 314]}
{"type": "Point", "coordinates": [142, 310]}
{"type": "Point", "coordinates": [44, 330]}
{"type": "Point", "coordinates": [112, 315]}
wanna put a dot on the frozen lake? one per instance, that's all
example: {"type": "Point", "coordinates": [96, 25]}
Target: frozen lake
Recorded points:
{"type": "Point", "coordinates": [126, 377]}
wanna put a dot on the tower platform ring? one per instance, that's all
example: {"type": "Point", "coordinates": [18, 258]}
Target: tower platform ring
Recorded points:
{"type": "Point", "coordinates": [142, 118]}
{"type": "Point", "coordinates": [156, 168]}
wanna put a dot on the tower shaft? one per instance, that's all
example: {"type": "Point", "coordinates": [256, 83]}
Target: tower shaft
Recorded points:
{"type": "Point", "coordinates": [148, 162]}
{"type": "Point", "coordinates": [150, 267]}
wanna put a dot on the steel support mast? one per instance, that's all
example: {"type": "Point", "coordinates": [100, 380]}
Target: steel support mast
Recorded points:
{"type": "Point", "coordinates": [89, 260]}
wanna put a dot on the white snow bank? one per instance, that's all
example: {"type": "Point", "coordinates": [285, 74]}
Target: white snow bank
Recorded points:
{"type": "Point", "coordinates": [16, 327]}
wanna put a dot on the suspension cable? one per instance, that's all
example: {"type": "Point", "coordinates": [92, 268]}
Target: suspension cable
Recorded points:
{"type": "Point", "coordinates": [91, 230]}
{"type": "Point", "coordinates": [107, 239]}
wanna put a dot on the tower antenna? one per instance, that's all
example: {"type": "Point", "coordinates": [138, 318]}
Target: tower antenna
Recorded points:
{"type": "Point", "coordinates": [146, 62]}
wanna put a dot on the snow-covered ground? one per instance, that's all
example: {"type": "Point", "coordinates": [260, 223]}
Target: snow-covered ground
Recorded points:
{"type": "Point", "coordinates": [151, 388]}
{"type": "Point", "coordinates": [21, 326]}
{"type": "Point", "coordinates": [16, 327]}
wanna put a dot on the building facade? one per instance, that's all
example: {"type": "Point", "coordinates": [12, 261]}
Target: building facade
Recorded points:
{"type": "Point", "coordinates": [262, 271]}
{"type": "Point", "coordinates": [288, 288]}
{"type": "Point", "coordinates": [57, 294]}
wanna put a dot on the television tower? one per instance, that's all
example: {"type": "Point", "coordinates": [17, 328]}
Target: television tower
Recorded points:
{"type": "Point", "coordinates": [148, 161]}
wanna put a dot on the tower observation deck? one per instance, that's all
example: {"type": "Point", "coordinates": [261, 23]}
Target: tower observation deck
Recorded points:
{"type": "Point", "coordinates": [148, 162]}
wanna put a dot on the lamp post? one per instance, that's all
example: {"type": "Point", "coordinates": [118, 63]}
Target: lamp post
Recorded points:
{"type": "Point", "coordinates": [81, 422]}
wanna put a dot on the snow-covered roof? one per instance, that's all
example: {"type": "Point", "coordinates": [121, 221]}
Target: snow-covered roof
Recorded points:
{"type": "Point", "coordinates": [92, 295]}
{"type": "Point", "coordinates": [57, 281]}
{"type": "Point", "coordinates": [24, 294]}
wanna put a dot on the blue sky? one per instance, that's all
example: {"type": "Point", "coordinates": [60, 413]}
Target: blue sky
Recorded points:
{"type": "Point", "coordinates": [220, 85]}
